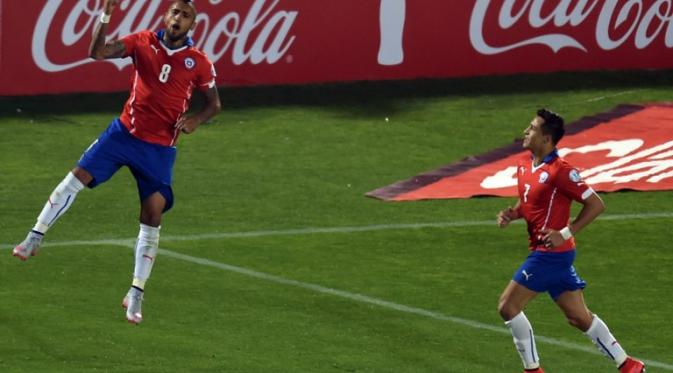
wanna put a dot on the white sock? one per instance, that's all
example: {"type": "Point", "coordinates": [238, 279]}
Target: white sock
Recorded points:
{"type": "Point", "coordinates": [600, 335]}
{"type": "Point", "coordinates": [59, 202]}
{"type": "Point", "coordinates": [524, 340]}
{"type": "Point", "coordinates": [146, 251]}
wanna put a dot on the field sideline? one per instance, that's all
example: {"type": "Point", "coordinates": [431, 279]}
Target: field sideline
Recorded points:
{"type": "Point", "coordinates": [273, 260]}
{"type": "Point", "coordinates": [128, 243]}
{"type": "Point", "coordinates": [318, 230]}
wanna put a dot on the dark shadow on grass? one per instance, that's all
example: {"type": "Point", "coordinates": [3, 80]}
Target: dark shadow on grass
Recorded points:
{"type": "Point", "coordinates": [359, 99]}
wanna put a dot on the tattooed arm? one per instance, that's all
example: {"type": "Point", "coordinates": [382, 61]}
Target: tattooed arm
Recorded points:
{"type": "Point", "coordinates": [99, 49]}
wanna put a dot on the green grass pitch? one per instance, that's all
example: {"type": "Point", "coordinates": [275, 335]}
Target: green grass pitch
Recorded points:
{"type": "Point", "coordinates": [249, 281]}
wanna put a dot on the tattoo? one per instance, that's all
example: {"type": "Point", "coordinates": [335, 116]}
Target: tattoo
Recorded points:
{"type": "Point", "coordinates": [212, 94]}
{"type": "Point", "coordinates": [213, 105]}
{"type": "Point", "coordinates": [115, 49]}
{"type": "Point", "coordinates": [99, 49]}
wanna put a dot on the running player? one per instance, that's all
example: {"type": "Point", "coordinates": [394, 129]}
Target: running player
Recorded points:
{"type": "Point", "coordinates": [167, 68]}
{"type": "Point", "coordinates": [547, 186]}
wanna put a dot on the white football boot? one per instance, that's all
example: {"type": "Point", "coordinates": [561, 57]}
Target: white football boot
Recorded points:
{"type": "Point", "coordinates": [29, 247]}
{"type": "Point", "coordinates": [133, 302]}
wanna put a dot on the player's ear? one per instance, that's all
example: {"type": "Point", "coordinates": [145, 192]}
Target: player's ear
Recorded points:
{"type": "Point", "coordinates": [547, 139]}
{"type": "Point", "coordinates": [193, 26]}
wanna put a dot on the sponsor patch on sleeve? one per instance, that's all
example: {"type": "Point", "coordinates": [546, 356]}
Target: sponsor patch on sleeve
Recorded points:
{"type": "Point", "coordinates": [575, 176]}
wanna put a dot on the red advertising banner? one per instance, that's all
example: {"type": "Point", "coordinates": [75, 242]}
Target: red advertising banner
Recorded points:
{"type": "Point", "coordinates": [43, 44]}
{"type": "Point", "coordinates": [630, 147]}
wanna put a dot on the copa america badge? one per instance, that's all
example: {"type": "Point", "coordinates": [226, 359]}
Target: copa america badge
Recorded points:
{"type": "Point", "coordinates": [190, 63]}
{"type": "Point", "coordinates": [543, 177]}
{"type": "Point", "coordinates": [575, 176]}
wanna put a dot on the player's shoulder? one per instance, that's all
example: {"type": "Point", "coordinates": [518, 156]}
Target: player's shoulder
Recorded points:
{"type": "Point", "coordinates": [196, 59]}
{"type": "Point", "coordinates": [144, 35]}
{"type": "Point", "coordinates": [199, 55]}
{"type": "Point", "coordinates": [561, 164]}
{"type": "Point", "coordinates": [140, 39]}
{"type": "Point", "coordinates": [566, 171]}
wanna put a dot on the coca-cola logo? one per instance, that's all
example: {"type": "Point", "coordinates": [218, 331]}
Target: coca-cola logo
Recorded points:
{"type": "Point", "coordinates": [262, 35]}
{"type": "Point", "coordinates": [629, 147]}
{"type": "Point", "coordinates": [617, 22]}
{"type": "Point", "coordinates": [625, 161]}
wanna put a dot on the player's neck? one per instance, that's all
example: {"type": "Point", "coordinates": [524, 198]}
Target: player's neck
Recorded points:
{"type": "Point", "coordinates": [540, 154]}
{"type": "Point", "coordinates": [174, 44]}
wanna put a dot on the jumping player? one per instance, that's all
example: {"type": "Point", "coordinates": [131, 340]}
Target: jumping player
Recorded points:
{"type": "Point", "coordinates": [167, 68]}
{"type": "Point", "coordinates": [547, 186]}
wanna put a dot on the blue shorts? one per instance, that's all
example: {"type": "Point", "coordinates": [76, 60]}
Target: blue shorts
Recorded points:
{"type": "Point", "coordinates": [549, 272]}
{"type": "Point", "coordinates": [150, 164]}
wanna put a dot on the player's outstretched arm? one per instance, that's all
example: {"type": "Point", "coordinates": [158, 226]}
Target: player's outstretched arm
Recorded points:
{"type": "Point", "coordinates": [505, 216]}
{"type": "Point", "coordinates": [99, 49]}
{"type": "Point", "coordinates": [213, 106]}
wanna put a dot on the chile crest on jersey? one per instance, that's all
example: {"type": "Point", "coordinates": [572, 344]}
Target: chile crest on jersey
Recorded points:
{"type": "Point", "coordinates": [163, 82]}
{"type": "Point", "coordinates": [190, 63]}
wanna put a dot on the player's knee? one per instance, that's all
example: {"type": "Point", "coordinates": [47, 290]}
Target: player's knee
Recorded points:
{"type": "Point", "coordinates": [82, 175]}
{"type": "Point", "coordinates": [581, 322]}
{"type": "Point", "coordinates": [152, 209]}
{"type": "Point", "coordinates": [152, 221]}
{"type": "Point", "coordinates": [506, 310]}
{"type": "Point", "coordinates": [574, 321]}
{"type": "Point", "coordinates": [151, 218]}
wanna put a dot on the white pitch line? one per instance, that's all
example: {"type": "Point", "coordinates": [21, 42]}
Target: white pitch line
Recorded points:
{"type": "Point", "coordinates": [386, 304]}
{"type": "Point", "coordinates": [343, 229]}
{"type": "Point", "coordinates": [364, 298]}
{"type": "Point", "coordinates": [599, 98]}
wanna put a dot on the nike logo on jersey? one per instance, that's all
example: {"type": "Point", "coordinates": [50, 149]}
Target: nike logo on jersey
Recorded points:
{"type": "Point", "coordinates": [156, 51]}
{"type": "Point", "coordinates": [522, 170]}
{"type": "Point", "coordinates": [526, 274]}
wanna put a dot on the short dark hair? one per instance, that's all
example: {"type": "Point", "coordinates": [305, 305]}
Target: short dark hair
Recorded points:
{"type": "Point", "coordinates": [553, 125]}
{"type": "Point", "coordinates": [187, 2]}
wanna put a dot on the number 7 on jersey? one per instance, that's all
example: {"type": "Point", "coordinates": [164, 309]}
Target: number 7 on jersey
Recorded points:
{"type": "Point", "coordinates": [525, 192]}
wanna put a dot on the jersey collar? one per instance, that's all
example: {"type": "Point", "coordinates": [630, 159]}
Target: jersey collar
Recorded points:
{"type": "Point", "coordinates": [550, 157]}
{"type": "Point", "coordinates": [160, 35]}
{"type": "Point", "coordinates": [547, 160]}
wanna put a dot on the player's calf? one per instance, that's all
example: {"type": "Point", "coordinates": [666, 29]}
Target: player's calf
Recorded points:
{"type": "Point", "coordinates": [60, 200]}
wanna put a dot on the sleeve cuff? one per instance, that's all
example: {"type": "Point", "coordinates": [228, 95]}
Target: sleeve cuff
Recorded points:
{"type": "Point", "coordinates": [210, 84]}
{"type": "Point", "coordinates": [587, 193]}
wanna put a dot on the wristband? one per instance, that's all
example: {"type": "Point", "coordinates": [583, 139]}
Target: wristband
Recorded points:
{"type": "Point", "coordinates": [566, 233]}
{"type": "Point", "coordinates": [104, 18]}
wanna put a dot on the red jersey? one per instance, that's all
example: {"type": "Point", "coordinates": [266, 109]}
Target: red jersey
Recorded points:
{"type": "Point", "coordinates": [545, 193]}
{"type": "Point", "coordinates": [163, 82]}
